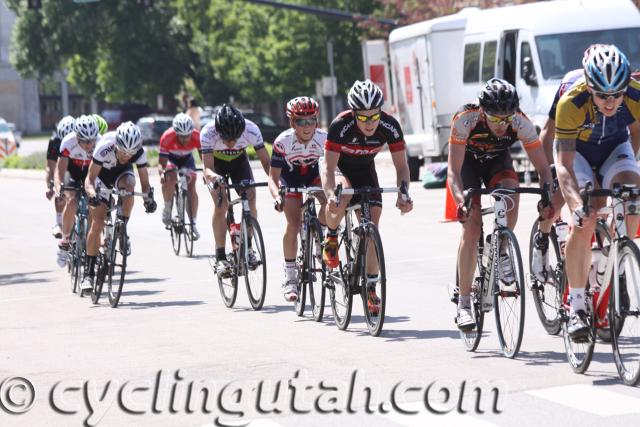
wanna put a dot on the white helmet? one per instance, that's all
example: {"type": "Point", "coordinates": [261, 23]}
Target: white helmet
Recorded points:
{"type": "Point", "coordinates": [365, 96]}
{"type": "Point", "coordinates": [65, 126]}
{"type": "Point", "coordinates": [182, 124]}
{"type": "Point", "coordinates": [128, 138]}
{"type": "Point", "coordinates": [86, 128]}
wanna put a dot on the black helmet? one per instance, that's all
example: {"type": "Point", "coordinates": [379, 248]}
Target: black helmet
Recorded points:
{"type": "Point", "coordinates": [229, 122]}
{"type": "Point", "coordinates": [499, 97]}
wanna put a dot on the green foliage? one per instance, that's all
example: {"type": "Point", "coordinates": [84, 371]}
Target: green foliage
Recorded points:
{"type": "Point", "coordinates": [35, 160]}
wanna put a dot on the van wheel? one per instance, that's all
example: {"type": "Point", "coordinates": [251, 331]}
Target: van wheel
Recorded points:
{"type": "Point", "coordinates": [414, 168]}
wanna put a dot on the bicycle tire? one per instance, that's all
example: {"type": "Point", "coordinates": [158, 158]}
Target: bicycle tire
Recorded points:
{"type": "Point", "coordinates": [187, 231]}
{"type": "Point", "coordinates": [101, 268]}
{"type": "Point", "coordinates": [315, 270]}
{"type": "Point", "coordinates": [471, 339]}
{"type": "Point", "coordinates": [117, 264]}
{"type": "Point", "coordinates": [627, 364]}
{"type": "Point", "coordinates": [72, 262]}
{"type": "Point", "coordinates": [255, 275]}
{"type": "Point", "coordinates": [301, 266]}
{"type": "Point", "coordinates": [579, 354]}
{"type": "Point", "coordinates": [228, 286]}
{"type": "Point", "coordinates": [509, 300]}
{"type": "Point", "coordinates": [339, 279]}
{"type": "Point", "coordinates": [176, 226]}
{"type": "Point", "coordinates": [603, 240]}
{"type": "Point", "coordinates": [374, 322]}
{"type": "Point", "coordinates": [80, 250]}
{"type": "Point", "coordinates": [544, 294]}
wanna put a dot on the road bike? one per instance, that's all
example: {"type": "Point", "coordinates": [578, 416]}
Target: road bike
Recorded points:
{"type": "Point", "coordinates": [181, 226]}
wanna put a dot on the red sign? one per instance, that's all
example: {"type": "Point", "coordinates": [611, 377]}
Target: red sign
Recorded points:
{"type": "Point", "coordinates": [377, 74]}
{"type": "Point", "coordinates": [408, 89]}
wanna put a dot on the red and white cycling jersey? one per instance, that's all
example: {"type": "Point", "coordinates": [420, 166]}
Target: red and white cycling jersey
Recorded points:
{"type": "Point", "coordinates": [171, 147]}
{"type": "Point", "coordinates": [79, 159]}
{"type": "Point", "coordinates": [289, 153]}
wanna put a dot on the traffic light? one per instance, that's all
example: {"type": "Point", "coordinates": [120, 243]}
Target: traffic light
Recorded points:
{"type": "Point", "coordinates": [34, 4]}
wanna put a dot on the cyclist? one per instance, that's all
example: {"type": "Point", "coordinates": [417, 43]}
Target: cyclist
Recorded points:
{"type": "Point", "coordinates": [64, 126]}
{"type": "Point", "coordinates": [592, 144]}
{"type": "Point", "coordinates": [540, 259]}
{"type": "Point", "coordinates": [176, 151]}
{"type": "Point", "coordinates": [224, 141]}
{"type": "Point", "coordinates": [355, 137]}
{"type": "Point", "coordinates": [481, 134]}
{"type": "Point", "coordinates": [76, 150]}
{"type": "Point", "coordinates": [294, 163]}
{"type": "Point", "coordinates": [103, 127]}
{"type": "Point", "coordinates": [112, 166]}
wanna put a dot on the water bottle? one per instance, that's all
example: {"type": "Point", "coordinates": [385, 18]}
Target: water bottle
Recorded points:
{"type": "Point", "coordinates": [562, 230]}
{"type": "Point", "coordinates": [234, 232]}
{"type": "Point", "coordinates": [596, 272]}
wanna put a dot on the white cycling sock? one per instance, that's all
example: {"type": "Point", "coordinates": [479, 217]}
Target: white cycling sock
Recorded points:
{"type": "Point", "coordinates": [464, 301]}
{"type": "Point", "coordinates": [290, 270]}
{"type": "Point", "coordinates": [59, 218]}
{"type": "Point", "coordinates": [576, 297]}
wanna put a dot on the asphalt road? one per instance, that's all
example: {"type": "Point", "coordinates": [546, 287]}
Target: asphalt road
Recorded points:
{"type": "Point", "coordinates": [66, 361]}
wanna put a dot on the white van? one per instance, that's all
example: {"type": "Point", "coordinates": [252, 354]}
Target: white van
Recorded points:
{"type": "Point", "coordinates": [436, 66]}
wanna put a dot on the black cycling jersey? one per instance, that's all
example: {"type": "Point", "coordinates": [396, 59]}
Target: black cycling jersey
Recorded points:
{"type": "Point", "coordinates": [357, 150]}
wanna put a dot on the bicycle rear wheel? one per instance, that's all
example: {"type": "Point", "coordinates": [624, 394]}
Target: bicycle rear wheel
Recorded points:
{"type": "Point", "coordinates": [229, 285]}
{"type": "Point", "coordinates": [177, 221]}
{"type": "Point", "coordinates": [508, 298]}
{"type": "Point", "coordinates": [579, 354]}
{"type": "Point", "coordinates": [471, 339]}
{"type": "Point", "coordinates": [338, 282]}
{"type": "Point", "coordinates": [73, 263]}
{"type": "Point", "coordinates": [544, 293]}
{"type": "Point", "coordinates": [624, 314]}
{"type": "Point", "coordinates": [117, 264]}
{"type": "Point", "coordinates": [373, 289]}
{"type": "Point", "coordinates": [101, 268]}
{"type": "Point", "coordinates": [301, 266]}
{"type": "Point", "coordinates": [80, 252]}
{"type": "Point", "coordinates": [187, 230]}
{"type": "Point", "coordinates": [255, 268]}
{"type": "Point", "coordinates": [315, 270]}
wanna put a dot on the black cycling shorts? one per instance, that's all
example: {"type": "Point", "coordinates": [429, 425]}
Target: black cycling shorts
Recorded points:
{"type": "Point", "coordinates": [362, 177]}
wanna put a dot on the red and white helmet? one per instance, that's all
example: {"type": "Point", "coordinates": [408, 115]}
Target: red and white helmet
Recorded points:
{"type": "Point", "coordinates": [302, 106]}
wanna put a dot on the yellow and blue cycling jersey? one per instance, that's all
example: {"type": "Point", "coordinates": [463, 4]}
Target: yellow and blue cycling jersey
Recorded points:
{"type": "Point", "coordinates": [596, 135]}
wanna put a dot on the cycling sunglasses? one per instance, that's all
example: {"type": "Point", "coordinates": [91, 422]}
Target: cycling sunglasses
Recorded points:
{"type": "Point", "coordinates": [364, 118]}
{"type": "Point", "coordinates": [499, 120]}
{"type": "Point", "coordinates": [605, 95]}
{"type": "Point", "coordinates": [306, 122]}
{"type": "Point", "coordinates": [86, 141]}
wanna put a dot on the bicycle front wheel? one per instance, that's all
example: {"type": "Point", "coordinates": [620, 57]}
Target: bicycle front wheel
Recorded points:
{"type": "Point", "coordinates": [544, 293]}
{"type": "Point", "coordinates": [373, 278]}
{"type": "Point", "coordinates": [228, 285]}
{"type": "Point", "coordinates": [339, 282]}
{"type": "Point", "coordinates": [624, 314]}
{"type": "Point", "coordinates": [508, 298]}
{"type": "Point", "coordinates": [254, 262]}
{"type": "Point", "coordinates": [101, 268]}
{"type": "Point", "coordinates": [117, 264]}
{"type": "Point", "coordinates": [74, 262]}
{"type": "Point", "coordinates": [301, 267]}
{"type": "Point", "coordinates": [315, 270]}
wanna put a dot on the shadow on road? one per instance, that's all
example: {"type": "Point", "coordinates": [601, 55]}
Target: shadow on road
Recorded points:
{"type": "Point", "coordinates": [139, 293]}
{"type": "Point", "coordinates": [22, 278]}
{"type": "Point", "coordinates": [158, 304]}
{"type": "Point", "coordinates": [413, 334]}
{"type": "Point", "coordinates": [144, 280]}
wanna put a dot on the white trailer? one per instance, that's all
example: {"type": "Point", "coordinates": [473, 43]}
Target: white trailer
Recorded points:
{"type": "Point", "coordinates": [438, 65]}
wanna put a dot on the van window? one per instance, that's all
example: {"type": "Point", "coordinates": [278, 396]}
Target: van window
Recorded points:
{"type": "Point", "coordinates": [561, 53]}
{"type": "Point", "coordinates": [525, 52]}
{"type": "Point", "coordinates": [488, 60]}
{"type": "Point", "coordinates": [471, 63]}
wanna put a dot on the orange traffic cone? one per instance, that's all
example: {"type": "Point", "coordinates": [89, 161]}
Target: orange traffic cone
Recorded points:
{"type": "Point", "coordinates": [450, 207]}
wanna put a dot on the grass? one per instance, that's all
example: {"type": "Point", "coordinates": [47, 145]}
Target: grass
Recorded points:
{"type": "Point", "coordinates": [38, 160]}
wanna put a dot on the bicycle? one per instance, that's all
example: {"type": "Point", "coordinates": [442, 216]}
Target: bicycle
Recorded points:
{"type": "Point", "coordinates": [351, 277]}
{"type": "Point", "coordinates": [111, 264]}
{"type": "Point", "coordinates": [248, 256]}
{"type": "Point", "coordinates": [181, 203]}
{"type": "Point", "coordinates": [489, 290]}
{"type": "Point", "coordinates": [311, 269]}
{"type": "Point", "coordinates": [78, 239]}
{"type": "Point", "coordinates": [614, 303]}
